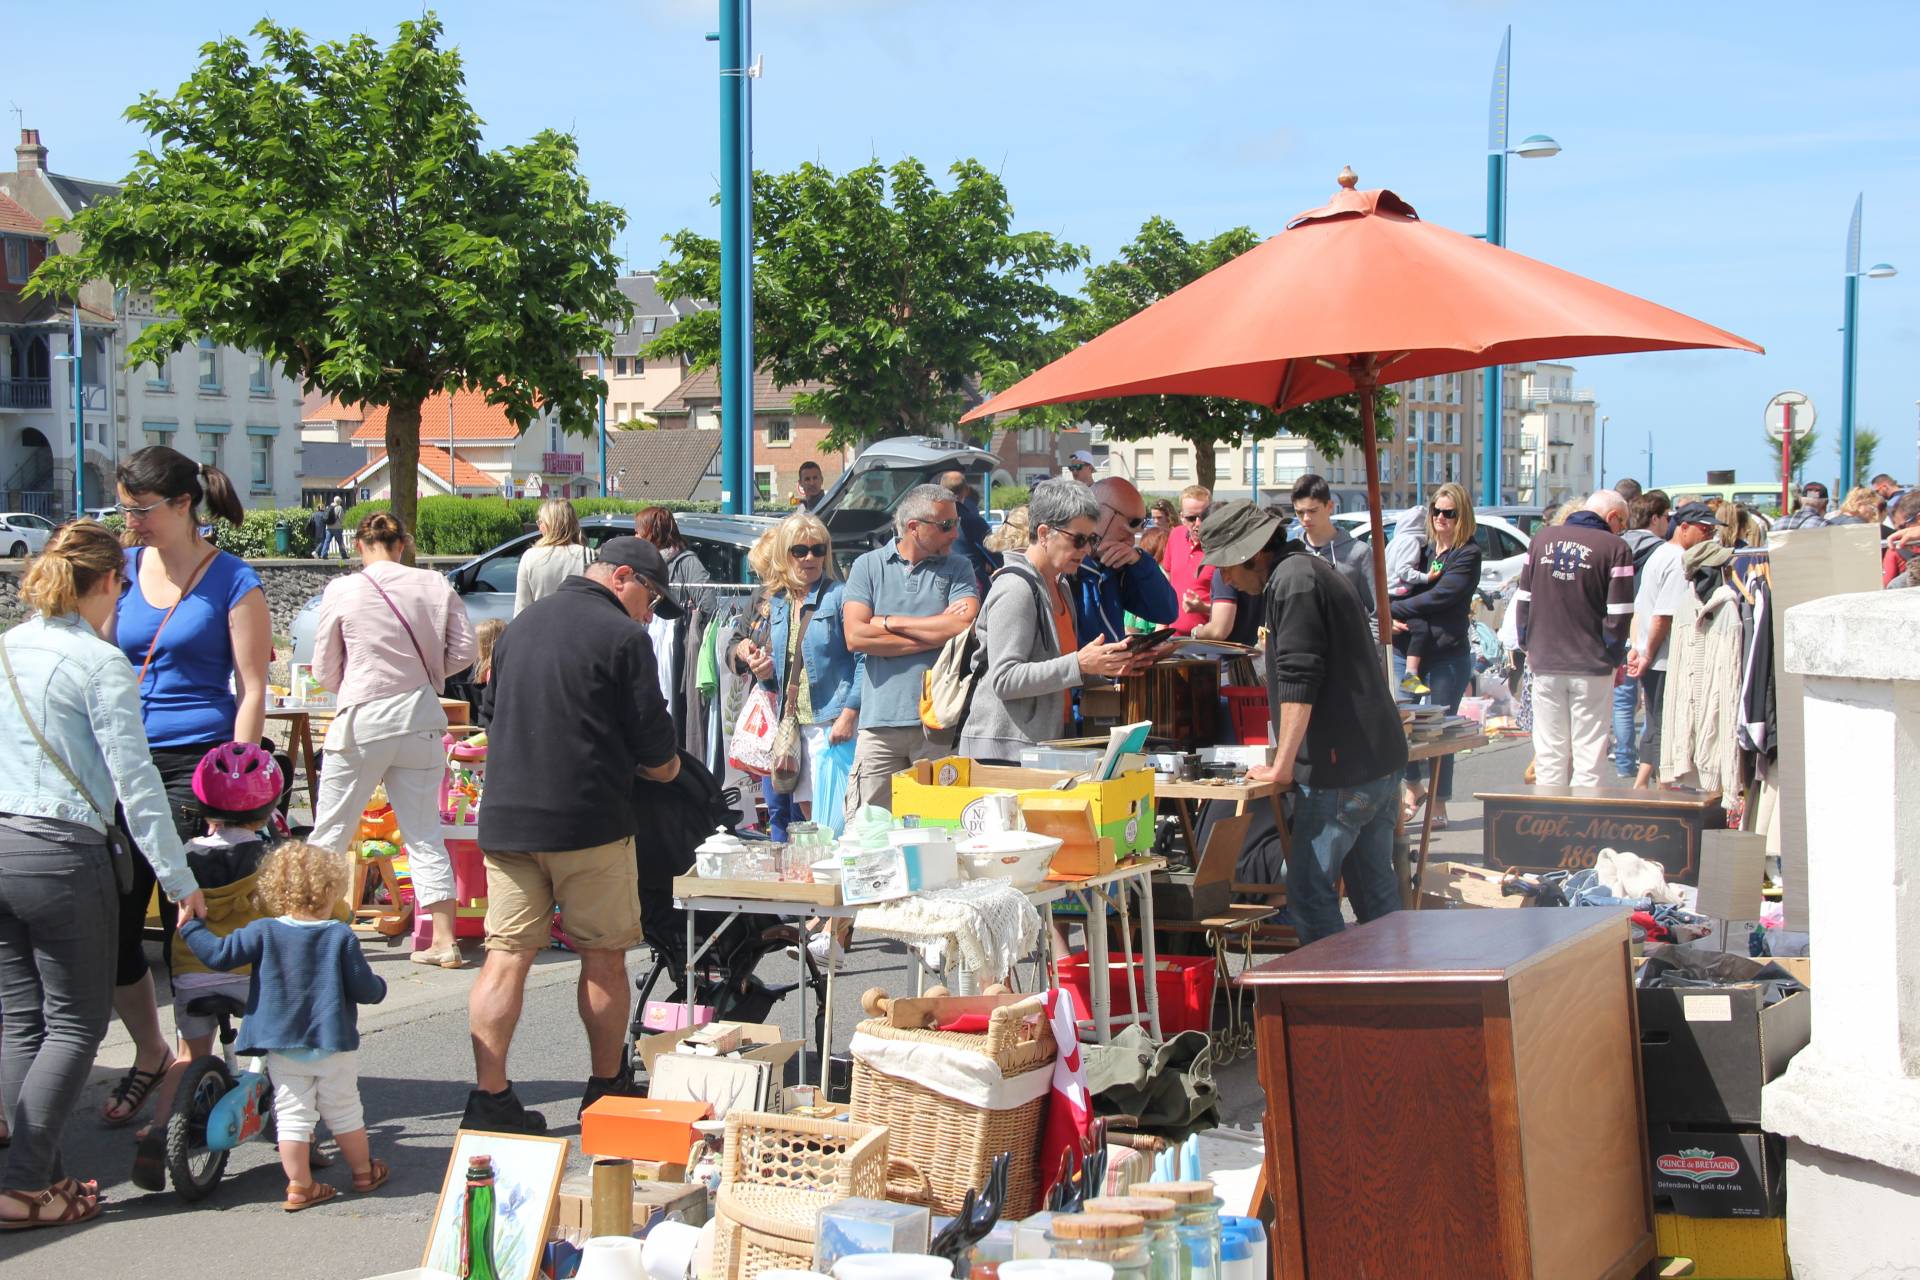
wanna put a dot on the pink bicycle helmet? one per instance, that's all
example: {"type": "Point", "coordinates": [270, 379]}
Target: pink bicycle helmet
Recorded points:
{"type": "Point", "coordinates": [238, 781]}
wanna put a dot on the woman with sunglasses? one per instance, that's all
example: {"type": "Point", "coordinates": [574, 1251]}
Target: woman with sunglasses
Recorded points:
{"type": "Point", "coordinates": [1451, 557]}
{"type": "Point", "coordinates": [193, 622]}
{"type": "Point", "coordinates": [1033, 654]}
{"type": "Point", "coordinates": [800, 584]}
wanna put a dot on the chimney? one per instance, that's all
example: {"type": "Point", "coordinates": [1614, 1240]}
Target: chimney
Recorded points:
{"type": "Point", "coordinates": [30, 156]}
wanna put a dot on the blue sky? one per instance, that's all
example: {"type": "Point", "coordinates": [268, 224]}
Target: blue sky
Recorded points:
{"type": "Point", "coordinates": [1712, 151]}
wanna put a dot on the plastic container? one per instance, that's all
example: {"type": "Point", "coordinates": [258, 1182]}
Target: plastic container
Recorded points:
{"type": "Point", "coordinates": [1247, 712]}
{"type": "Point", "coordinates": [1185, 984]}
{"type": "Point", "coordinates": [1254, 1232]}
{"type": "Point", "coordinates": [931, 858]}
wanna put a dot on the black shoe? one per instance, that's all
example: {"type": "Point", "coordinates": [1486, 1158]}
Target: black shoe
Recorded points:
{"type": "Point", "coordinates": [621, 1085]}
{"type": "Point", "coordinates": [500, 1113]}
{"type": "Point", "coordinates": [150, 1160]}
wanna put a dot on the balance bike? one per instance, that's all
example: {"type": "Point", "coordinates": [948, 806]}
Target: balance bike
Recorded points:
{"type": "Point", "coordinates": [214, 1109]}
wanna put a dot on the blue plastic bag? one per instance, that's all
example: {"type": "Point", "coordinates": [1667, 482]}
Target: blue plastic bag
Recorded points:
{"type": "Point", "coordinates": [832, 770]}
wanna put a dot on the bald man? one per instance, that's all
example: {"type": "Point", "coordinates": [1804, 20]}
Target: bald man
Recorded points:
{"type": "Point", "coordinates": [1575, 602]}
{"type": "Point", "coordinates": [1116, 579]}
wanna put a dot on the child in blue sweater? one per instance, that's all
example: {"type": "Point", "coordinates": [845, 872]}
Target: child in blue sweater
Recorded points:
{"type": "Point", "coordinates": [308, 975]}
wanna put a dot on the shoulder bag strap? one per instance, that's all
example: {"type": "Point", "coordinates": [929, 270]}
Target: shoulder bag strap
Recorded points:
{"type": "Point", "coordinates": [799, 653]}
{"type": "Point", "coordinates": [45, 746]}
{"type": "Point", "coordinates": [415, 640]}
{"type": "Point", "coordinates": [167, 617]}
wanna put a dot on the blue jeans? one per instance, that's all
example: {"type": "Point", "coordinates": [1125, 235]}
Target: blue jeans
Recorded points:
{"type": "Point", "coordinates": [1626, 704]}
{"type": "Point", "coordinates": [1342, 831]}
{"type": "Point", "coordinates": [1448, 675]}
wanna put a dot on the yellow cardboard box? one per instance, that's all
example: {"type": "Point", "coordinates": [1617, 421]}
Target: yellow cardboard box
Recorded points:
{"type": "Point", "coordinates": [1725, 1248]}
{"type": "Point", "coordinates": [949, 793]}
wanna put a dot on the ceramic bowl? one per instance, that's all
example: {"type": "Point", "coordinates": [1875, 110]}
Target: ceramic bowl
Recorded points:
{"type": "Point", "coordinates": [1022, 857]}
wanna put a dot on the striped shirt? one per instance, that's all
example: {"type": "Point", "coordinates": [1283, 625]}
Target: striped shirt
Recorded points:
{"type": "Point", "coordinates": [1575, 598]}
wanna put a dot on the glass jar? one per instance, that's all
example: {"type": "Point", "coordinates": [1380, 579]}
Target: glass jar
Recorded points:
{"type": "Point", "coordinates": [1197, 1225]}
{"type": "Point", "coordinates": [1030, 1235]}
{"type": "Point", "coordinates": [1161, 1220]}
{"type": "Point", "coordinates": [1117, 1239]}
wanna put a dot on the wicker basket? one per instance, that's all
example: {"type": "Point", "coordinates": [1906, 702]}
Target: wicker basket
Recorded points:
{"type": "Point", "coordinates": [776, 1173]}
{"type": "Point", "coordinates": [948, 1146]}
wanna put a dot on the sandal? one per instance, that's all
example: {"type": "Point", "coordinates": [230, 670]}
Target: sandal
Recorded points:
{"type": "Point", "coordinates": [89, 1188]}
{"type": "Point", "coordinates": [305, 1197]}
{"type": "Point", "coordinates": [132, 1091]}
{"type": "Point", "coordinates": [73, 1209]}
{"type": "Point", "coordinates": [374, 1178]}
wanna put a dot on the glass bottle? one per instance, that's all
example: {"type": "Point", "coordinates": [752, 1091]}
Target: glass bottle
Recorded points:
{"type": "Point", "coordinates": [1163, 1243]}
{"type": "Point", "coordinates": [476, 1232]}
{"type": "Point", "coordinates": [1117, 1239]}
{"type": "Point", "coordinates": [1197, 1225]}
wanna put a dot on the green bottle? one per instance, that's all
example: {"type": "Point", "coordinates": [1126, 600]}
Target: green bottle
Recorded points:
{"type": "Point", "coordinates": [476, 1238]}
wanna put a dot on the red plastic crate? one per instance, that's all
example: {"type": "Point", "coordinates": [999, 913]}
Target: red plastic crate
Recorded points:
{"type": "Point", "coordinates": [1247, 712]}
{"type": "Point", "coordinates": [1185, 982]}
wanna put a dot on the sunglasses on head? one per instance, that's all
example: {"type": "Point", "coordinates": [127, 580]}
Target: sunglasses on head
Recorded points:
{"type": "Point", "coordinates": [1080, 541]}
{"type": "Point", "coordinates": [805, 550]}
{"type": "Point", "coordinates": [944, 526]}
{"type": "Point", "coordinates": [1444, 513]}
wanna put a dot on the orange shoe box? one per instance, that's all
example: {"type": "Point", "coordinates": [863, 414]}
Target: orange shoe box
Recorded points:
{"type": "Point", "coordinates": [640, 1128]}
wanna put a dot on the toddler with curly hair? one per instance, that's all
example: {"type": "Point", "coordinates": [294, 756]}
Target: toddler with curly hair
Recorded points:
{"type": "Point", "coordinates": [309, 976]}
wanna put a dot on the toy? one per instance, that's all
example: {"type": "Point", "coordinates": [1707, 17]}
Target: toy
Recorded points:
{"type": "Point", "coordinates": [215, 1109]}
{"type": "Point", "coordinates": [466, 775]}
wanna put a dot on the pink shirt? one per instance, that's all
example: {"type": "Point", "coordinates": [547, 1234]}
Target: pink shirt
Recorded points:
{"type": "Point", "coordinates": [362, 652]}
{"type": "Point", "coordinates": [1186, 573]}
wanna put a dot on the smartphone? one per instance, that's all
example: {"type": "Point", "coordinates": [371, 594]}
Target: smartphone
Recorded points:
{"type": "Point", "coordinates": [1149, 639]}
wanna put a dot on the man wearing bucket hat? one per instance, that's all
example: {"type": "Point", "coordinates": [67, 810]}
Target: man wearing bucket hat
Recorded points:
{"type": "Point", "coordinates": [1339, 738]}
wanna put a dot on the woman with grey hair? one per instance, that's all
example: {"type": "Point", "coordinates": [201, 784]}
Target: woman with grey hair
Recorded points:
{"type": "Point", "coordinates": [556, 556]}
{"type": "Point", "coordinates": [1032, 656]}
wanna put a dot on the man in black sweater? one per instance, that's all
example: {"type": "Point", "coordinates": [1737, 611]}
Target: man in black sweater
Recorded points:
{"type": "Point", "coordinates": [1340, 742]}
{"type": "Point", "coordinates": [574, 712]}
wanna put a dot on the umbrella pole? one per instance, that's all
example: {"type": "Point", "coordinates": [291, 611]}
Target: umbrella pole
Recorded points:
{"type": "Point", "coordinates": [1366, 381]}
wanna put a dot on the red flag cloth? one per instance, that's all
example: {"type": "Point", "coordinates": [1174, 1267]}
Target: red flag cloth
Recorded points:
{"type": "Point", "coordinates": [1069, 1105]}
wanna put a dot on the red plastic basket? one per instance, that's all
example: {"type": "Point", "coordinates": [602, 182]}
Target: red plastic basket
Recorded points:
{"type": "Point", "coordinates": [1185, 982]}
{"type": "Point", "coordinates": [1247, 711]}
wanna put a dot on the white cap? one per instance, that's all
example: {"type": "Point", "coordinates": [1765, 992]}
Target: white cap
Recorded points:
{"type": "Point", "coordinates": [1080, 456]}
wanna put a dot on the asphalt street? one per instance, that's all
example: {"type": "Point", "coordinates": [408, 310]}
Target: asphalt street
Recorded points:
{"type": "Point", "coordinates": [415, 1069]}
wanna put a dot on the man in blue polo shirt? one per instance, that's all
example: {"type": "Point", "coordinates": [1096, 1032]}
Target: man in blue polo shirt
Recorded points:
{"type": "Point", "coordinates": [904, 601]}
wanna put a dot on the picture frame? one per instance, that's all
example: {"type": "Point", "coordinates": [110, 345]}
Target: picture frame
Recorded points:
{"type": "Point", "coordinates": [729, 1084]}
{"type": "Point", "coordinates": [527, 1172]}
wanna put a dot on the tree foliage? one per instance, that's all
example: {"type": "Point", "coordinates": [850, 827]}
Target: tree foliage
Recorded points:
{"type": "Point", "coordinates": [1804, 443]}
{"type": "Point", "coordinates": [895, 293]}
{"type": "Point", "coordinates": [331, 206]}
{"type": "Point", "coordinates": [1156, 263]}
{"type": "Point", "coordinates": [1866, 443]}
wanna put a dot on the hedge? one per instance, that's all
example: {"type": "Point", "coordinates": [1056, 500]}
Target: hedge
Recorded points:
{"type": "Point", "coordinates": [449, 526]}
{"type": "Point", "coordinates": [253, 538]}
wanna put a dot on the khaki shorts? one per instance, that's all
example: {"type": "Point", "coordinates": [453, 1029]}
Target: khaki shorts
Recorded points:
{"type": "Point", "coordinates": [598, 892]}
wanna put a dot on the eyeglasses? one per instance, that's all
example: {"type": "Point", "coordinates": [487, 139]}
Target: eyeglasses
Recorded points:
{"type": "Point", "coordinates": [1444, 513]}
{"type": "Point", "coordinates": [808, 550]}
{"type": "Point", "coordinates": [1132, 522]}
{"type": "Point", "coordinates": [1196, 518]}
{"type": "Point", "coordinates": [1080, 541]}
{"type": "Point", "coordinates": [133, 513]}
{"type": "Point", "coordinates": [944, 526]}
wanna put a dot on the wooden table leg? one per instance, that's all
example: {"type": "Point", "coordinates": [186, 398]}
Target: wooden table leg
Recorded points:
{"type": "Point", "coordinates": [1182, 809]}
{"type": "Point", "coordinates": [1280, 824]}
{"type": "Point", "coordinates": [1412, 889]}
{"type": "Point", "coordinates": [305, 725]}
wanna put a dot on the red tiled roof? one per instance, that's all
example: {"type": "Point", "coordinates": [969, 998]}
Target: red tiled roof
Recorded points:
{"type": "Point", "coordinates": [473, 419]}
{"type": "Point", "coordinates": [433, 459]}
{"type": "Point", "coordinates": [317, 406]}
{"type": "Point", "coordinates": [705, 385]}
{"type": "Point", "coordinates": [17, 220]}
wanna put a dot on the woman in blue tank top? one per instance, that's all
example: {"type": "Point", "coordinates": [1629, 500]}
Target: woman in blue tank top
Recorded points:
{"type": "Point", "coordinates": [193, 621]}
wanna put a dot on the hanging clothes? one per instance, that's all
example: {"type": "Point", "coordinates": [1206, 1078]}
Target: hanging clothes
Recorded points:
{"type": "Point", "coordinates": [1700, 745]}
{"type": "Point", "coordinates": [1759, 715]}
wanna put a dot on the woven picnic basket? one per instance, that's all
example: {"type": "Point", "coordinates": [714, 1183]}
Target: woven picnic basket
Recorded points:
{"type": "Point", "coordinates": [938, 1146]}
{"type": "Point", "coordinates": [776, 1174]}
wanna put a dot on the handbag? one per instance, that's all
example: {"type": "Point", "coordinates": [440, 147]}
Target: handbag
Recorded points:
{"type": "Point", "coordinates": [788, 748]}
{"type": "Point", "coordinates": [119, 843]}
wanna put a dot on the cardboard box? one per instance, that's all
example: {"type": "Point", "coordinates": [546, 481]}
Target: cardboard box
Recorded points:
{"type": "Point", "coordinates": [758, 1040]}
{"type": "Point", "coordinates": [1733, 869]}
{"type": "Point", "coordinates": [640, 1128]}
{"type": "Point", "coordinates": [1725, 1248]}
{"type": "Point", "coordinates": [1706, 1052]}
{"type": "Point", "coordinates": [1446, 884]}
{"type": "Point", "coordinates": [1717, 1173]}
{"type": "Point", "coordinates": [945, 793]}
{"type": "Point", "coordinates": [651, 1202]}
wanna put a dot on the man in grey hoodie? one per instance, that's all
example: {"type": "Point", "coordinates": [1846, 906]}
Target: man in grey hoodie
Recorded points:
{"type": "Point", "coordinates": [1647, 530]}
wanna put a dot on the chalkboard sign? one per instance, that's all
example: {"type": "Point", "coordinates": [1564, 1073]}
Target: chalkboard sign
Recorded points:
{"type": "Point", "coordinates": [1565, 828]}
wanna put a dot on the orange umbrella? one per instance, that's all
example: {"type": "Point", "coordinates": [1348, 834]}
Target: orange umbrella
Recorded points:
{"type": "Point", "coordinates": [1350, 295]}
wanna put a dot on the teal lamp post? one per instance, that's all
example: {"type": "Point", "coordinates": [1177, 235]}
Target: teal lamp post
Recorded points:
{"type": "Point", "coordinates": [1850, 339]}
{"type": "Point", "coordinates": [1536, 146]}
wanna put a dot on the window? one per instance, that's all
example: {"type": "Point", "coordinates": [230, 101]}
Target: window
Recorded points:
{"type": "Point", "coordinates": [1036, 440]}
{"type": "Point", "coordinates": [161, 379]}
{"type": "Point", "coordinates": [1179, 464]}
{"type": "Point", "coordinates": [209, 365]}
{"type": "Point", "coordinates": [1143, 466]}
{"type": "Point", "coordinates": [706, 417]}
{"type": "Point", "coordinates": [210, 448]}
{"type": "Point", "coordinates": [158, 432]}
{"type": "Point", "coordinates": [1453, 428]}
{"type": "Point", "coordinates": [1222, 465]}
{"type": "Point", "coordinates": [763, 481]}
{"type": "Point", "coordinates": [638, 366]}
{"type": "Point", "coordinates": [780, 433]}
{"type": "Point", "coordinates": [649, 324]}
{"type": "Point", "coordinates": [1433, 426]}
{"type": "Point", "coordinates": [260, 377]}
{"type": "Point", "coordinates": [619, 366]}
{"type": "Point", "coordinates": [16, 260]}
{"type": "Point", "coordinates": [260, 462]}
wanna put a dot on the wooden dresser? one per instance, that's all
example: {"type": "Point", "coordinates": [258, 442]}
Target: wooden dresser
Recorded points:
{"type": "Point", "coordinates": [1456, 1094]}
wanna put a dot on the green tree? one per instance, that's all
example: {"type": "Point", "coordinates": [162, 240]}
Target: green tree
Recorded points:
{"type": "Point", "coordinates": [1804, 443]}
{"type": "Point", "coordinates": [1866, 443]}
{"type": "Point", "coordinates": [331, 206]}
{"type": "Point", "coordinates": [896, 294]}
{"type": "Point", "coordinates": [1157, 262]}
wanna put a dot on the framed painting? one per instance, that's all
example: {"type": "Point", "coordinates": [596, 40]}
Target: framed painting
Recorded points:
{"type": "Point", "coordinates": [526, 1183]}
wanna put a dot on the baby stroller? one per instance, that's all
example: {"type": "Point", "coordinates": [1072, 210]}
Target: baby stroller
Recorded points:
{"type": "Point", "coordinates": [677, 816]}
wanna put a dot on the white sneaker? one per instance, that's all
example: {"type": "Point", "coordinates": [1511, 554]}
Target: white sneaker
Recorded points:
{"type": "Point", "coordinates": [826, 950]}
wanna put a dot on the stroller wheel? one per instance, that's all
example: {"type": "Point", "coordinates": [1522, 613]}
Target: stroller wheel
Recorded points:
{"type": "Point", "coordinates": [196, 1168]}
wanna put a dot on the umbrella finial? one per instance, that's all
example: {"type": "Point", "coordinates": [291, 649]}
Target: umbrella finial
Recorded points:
{"type": "Point", "coordinates": [1348, 178]}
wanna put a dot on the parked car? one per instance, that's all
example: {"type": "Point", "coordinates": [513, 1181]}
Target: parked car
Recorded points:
{"type": "Point", "coordinates": [858, 507]}
{"type": "Point", "coordinates": [1503, 548]}
{"type": "Point", "coordinates": [23, 533]}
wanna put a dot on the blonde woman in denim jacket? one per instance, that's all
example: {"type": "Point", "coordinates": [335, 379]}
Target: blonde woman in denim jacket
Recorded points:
{"type": "Point", "coordinates": [59, 902]}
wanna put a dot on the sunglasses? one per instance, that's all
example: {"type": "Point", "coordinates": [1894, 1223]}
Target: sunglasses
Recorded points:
{"type": "Point", "coordinates": [1194, 519]}
{"type": "Point", "coordinates": [1080, 541]}
{"type": "Point", "coordinates": [1132, 522]}
{"type": "Point", "coordinates": [808, 550]}
{"type": "Point", "coordinates": [944, 526]}
{"type": "Point", "coordinates": [1444, 513]}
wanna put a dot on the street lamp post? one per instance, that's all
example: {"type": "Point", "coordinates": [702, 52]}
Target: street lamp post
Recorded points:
{"type": "Point", "coordinates": [1600, 457]}
{"type": "Point", "coordinates": [600, 365]}
{"type": "Point", "coordinates": [1849, 338]}
{"type": "Point", "coordinates": [1534, 147]}
{"type": "Point", "coordinates": [735, 38]}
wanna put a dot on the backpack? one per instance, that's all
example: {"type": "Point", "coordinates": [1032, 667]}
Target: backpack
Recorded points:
{"type": "Point", "coordinates": [946, 689]}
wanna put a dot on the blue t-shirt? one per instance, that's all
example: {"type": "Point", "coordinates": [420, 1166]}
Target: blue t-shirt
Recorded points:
{"type": "Point", "coordinates": [884, 582]}
{"type": "Point", "coordinates": [187, 696]}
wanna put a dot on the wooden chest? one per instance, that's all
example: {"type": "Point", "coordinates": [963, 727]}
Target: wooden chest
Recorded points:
{"type": "Point", "coordinates": [1456, 1093]}
{"type": "Point", "coordinates": [1182, 699]}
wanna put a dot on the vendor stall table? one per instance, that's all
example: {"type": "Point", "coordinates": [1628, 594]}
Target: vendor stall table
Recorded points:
{"type": "Point", "coordinates": [300, 745]}
{"type": "Point", "coordinates": [1094, 894]}
{"type": "Point", "coordinates": [1184, 793]}
{"type": "Point", "coordinates": [1237, 924]}
{"type": "Point", "coordinates": [1433, 752]}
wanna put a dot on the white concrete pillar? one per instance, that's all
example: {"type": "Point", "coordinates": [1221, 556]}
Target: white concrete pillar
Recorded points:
{"type": "Point", "coordinates": [1850, 1102]}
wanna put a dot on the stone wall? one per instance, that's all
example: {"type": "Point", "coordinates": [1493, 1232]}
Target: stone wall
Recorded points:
{"type": "Point", "coordinates": [289, 584]}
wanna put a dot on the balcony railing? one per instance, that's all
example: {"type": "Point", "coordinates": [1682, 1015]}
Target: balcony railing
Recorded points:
{"type": "Point", "coordinates": [1555, 395]}
{"type": "Point", "coordinates": [563, 464]}
{"type": "Point", "coordinates": [26, 393]}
